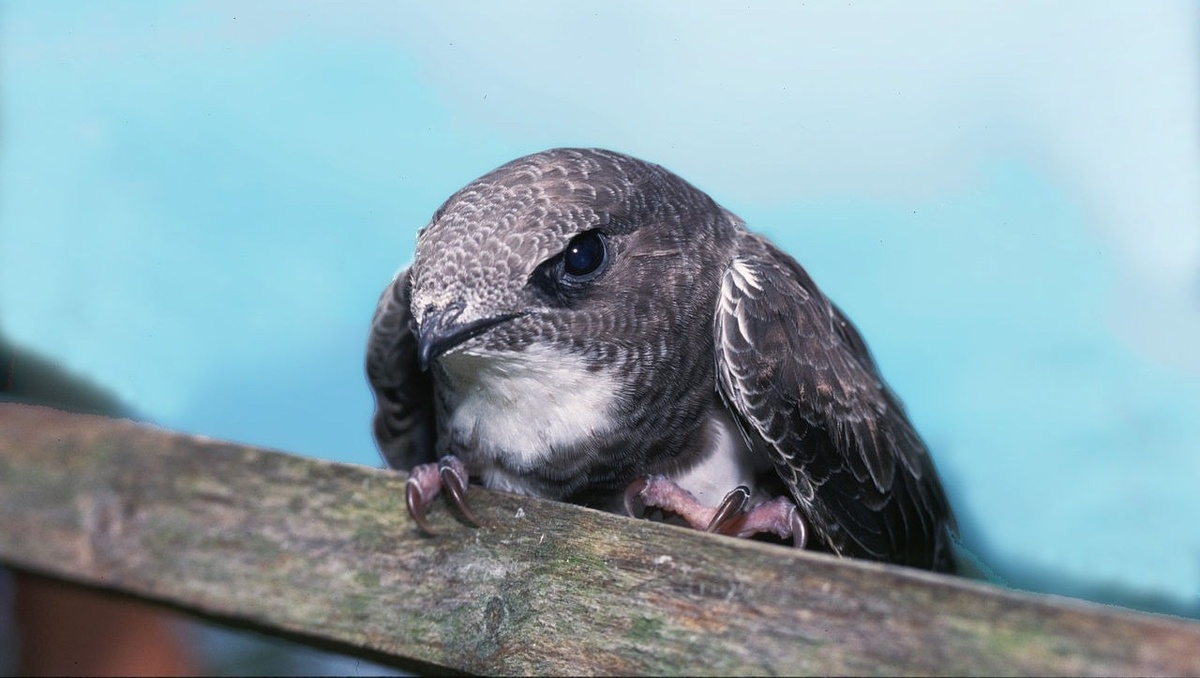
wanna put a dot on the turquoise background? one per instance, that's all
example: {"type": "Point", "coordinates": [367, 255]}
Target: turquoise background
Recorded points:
{"type": "Point", "coordinates": [201, 201]}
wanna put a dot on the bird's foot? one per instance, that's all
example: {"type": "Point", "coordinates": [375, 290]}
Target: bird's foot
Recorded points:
{"type": "Point", "coordinates": [731, 517]}
{"type": "Point", "coordinates": [425, 481]}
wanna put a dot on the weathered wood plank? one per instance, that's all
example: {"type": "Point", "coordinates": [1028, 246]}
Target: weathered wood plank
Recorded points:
{"type": "Point", "coordinates": [327, 551]}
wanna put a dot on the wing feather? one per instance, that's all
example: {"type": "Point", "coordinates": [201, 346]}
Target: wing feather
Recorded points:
{"type": "Point", "coordinates": [403, 425]}
{"type": "Point", "coordinates": [804, 388]}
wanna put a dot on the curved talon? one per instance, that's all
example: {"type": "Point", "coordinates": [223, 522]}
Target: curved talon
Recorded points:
{"type": "Point", "coordinates": [633, 493]}
{"type": "Point", "coordinates": [416, 506]}
{"type": "Point", "coordinates": [458, 493]}
{"type": "Point", "coordinates": [799, 531]}
{"type": "Point", "coordinates": [732, 506]}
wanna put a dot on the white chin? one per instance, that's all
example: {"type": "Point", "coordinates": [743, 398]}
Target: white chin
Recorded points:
{"type": "Point", "coordinates": [522, 405]}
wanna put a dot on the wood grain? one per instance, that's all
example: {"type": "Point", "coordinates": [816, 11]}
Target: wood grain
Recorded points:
{"type": "Point", "coordinates": [326, 551]}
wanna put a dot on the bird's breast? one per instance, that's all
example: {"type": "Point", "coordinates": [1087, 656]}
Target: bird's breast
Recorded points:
{"type": "Point", "coordinates": [515, 411]}
{"type": "Point", "coordinates": [724, 462]}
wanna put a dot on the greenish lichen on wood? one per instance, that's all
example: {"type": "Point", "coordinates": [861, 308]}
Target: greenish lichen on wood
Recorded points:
{"type": "Point", "coordinates": [326, 551]}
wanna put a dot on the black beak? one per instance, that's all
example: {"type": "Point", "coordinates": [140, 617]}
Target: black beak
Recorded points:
{"type": "Point", "coordinates": [439, 332]}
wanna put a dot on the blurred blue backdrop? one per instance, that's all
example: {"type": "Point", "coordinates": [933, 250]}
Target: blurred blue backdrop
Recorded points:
{"type": "Point", "coordinates": [201, 201]}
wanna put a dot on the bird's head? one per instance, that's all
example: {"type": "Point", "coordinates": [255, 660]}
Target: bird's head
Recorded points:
{"type": "Point", "coordinates": [584, 249]}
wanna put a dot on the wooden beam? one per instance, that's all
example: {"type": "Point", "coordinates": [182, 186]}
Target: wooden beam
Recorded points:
{"type": "Point", "coordinates": [326, 551]}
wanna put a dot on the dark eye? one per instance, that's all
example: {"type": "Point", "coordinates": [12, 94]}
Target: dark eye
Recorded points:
{"type": "Point", "coordinates": [585, 256]}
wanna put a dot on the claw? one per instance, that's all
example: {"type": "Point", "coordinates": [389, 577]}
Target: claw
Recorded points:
{"type": "Point", "coordinates": [731, 507]}
{"type": "Point", "coordinates": [416, 506]}
{"type": "Point", "coordinates": [457, 489]}
{"type": "Point", "coordinates": [426, 481]}
{"type": "Point", "coordinates": [799, 530]}
{"type": "Point", "coordinates": [634, 493]}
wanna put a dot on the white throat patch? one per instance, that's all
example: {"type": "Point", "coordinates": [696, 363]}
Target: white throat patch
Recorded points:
{"type": "Point", "coordinates": [522, 405]}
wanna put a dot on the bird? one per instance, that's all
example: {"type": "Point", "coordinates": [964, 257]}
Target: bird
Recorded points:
{"type": "Point", "coordinates": [585, 326]}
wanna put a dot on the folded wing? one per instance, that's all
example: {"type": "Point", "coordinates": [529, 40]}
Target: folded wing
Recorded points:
{"type": "Point", "coordinates": [804, 388]}
{"type": "Point", "coordinates": [404, 424]}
